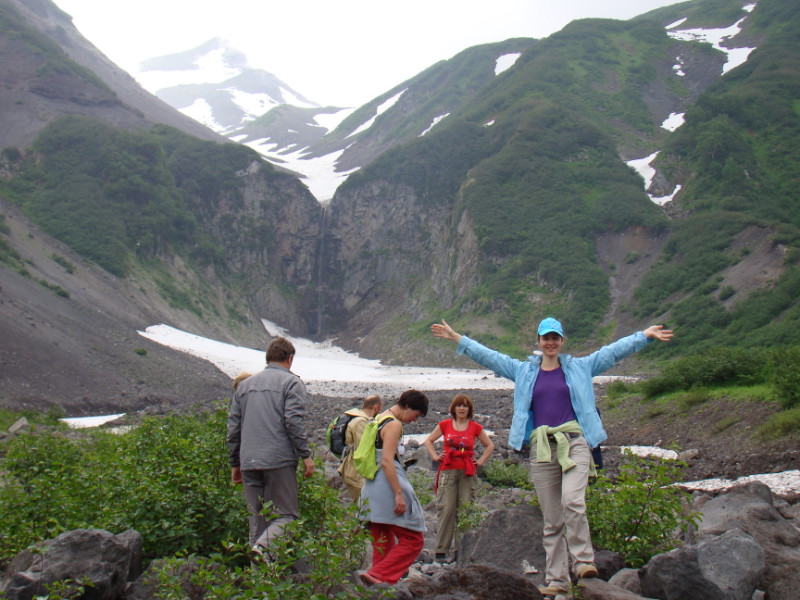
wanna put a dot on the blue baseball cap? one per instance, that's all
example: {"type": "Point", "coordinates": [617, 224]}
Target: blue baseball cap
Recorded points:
{"type": "Point", "coordinates": [550, 325]}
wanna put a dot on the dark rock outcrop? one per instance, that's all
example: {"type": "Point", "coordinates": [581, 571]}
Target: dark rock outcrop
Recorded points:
{"type": "Point", "coordinates": [99, 561]}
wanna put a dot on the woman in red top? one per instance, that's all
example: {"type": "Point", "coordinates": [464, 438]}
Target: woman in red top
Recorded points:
{"type": "Point", "coordinates": [455, 479]}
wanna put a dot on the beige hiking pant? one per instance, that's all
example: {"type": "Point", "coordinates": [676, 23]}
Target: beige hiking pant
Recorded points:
{"type": "Point", "coordinates": [562, 497]}
{"type": "Point", "coordinates": [455, 490]}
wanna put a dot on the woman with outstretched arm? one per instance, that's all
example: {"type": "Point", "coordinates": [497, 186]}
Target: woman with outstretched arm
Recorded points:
{"type": "Point", "coordinates": [554, 407]}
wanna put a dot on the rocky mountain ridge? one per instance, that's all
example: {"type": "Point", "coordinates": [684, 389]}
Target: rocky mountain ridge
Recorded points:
{"type": "Point", "coordinates": [101, 89]}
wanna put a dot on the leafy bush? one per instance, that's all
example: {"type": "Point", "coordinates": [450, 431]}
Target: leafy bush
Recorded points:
{"type": "Point", "coordinates": [503, 473]}
{"type": "Point", "coordinates": [638, 514]}
{"type": "Point", "coordinates": [779, 425]}
{"type": "Point", "coordinates": [422, 482]}
{"type": "Point", "coordinates": [785, 379]}
{"type": "Point", "coordinates": [328, 541]}
{"type": "Point", "coordinates": [51, 417]}
{"type": "Point", "coordinates": [618, 388]}
{"type": "Point", "coordinates": [167, 478]}
{"type": "Point", "coordinates": [717, 366]}
{"type": "Point", "coordinates": [470, 516]}
{"type": "Point", "coordinates": [692, 398]}
{"type": "Point", "coordinates": [68, 266]}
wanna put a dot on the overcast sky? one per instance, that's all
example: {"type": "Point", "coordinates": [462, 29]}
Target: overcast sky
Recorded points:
{"type": "Point", "coordinates": [334, 52]}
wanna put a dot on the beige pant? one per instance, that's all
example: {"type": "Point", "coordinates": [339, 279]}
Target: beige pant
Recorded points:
{"type": "Point", "coordinates": [562, 497]}
{"type": "Point", "coordinates": [455, 490]}
{"type": "Point", "coordinates": [353, 491]}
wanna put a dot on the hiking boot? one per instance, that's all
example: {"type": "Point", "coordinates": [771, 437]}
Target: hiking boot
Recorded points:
{"type": "Point", "coordinates": [441, 557]}
{"type": "Point", "coordinates": [368, 579]}
{"type": "Point", "coordinates": [584, 570]}
{"type": "Point", "coordinates": [551, 591]}
{"type": "Point", "coordinates": [259, 554]}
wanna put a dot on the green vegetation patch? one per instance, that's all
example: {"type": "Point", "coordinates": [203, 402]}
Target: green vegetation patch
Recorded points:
{"type": "Point", "coordinates": [637, 514]}
{"type": "Point", "coordinates": [168, 478]}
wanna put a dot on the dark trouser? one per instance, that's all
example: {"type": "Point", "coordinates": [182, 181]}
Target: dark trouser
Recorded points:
{"type": "Point", "coordinates": [278, 486]}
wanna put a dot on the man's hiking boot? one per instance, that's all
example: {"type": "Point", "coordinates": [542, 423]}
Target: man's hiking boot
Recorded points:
{"type": "Point", "coordinates": [259, 554]}
{"type": "Point", "coordinates": [585, 570]}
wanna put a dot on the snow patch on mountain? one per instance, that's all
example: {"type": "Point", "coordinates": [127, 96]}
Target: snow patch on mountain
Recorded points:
{"type": "Point", "coordinates": [331, 121]}
{"type": "Point", "coordinates": [382, 108]}
{"type": "Point", "coordinates": [252, 104]}
{"type": "Point", "coordinates": [318, 173]}
{"type": "Point", "coordinates": [647, 172]}
{"type": "Point", "coordinates": [201, 111]}
{"type": "Point", "coordinates": [735, 57]}
{"type": "Point", "coordinates": [434, 123]}
{"type": "Point", "coordinates": [716, 37]}
{"type": "Point", "coordinates": [643, 168]}
{"type": "Point", "coordinates": [505, 62]}
{"type": "Point", "coordinates": [673, 121]}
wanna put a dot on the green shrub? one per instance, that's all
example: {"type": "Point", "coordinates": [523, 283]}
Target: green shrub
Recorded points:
{"type": "Point", "coordinates": [66, 264]}
{"type": "Point", "coordinates": [168, 478]}
{"type": "Point", "coordinates": [638, 514]}
{"type": "Point", "coordinates": [329, 539]}
{"type": "Point", "coordinates": [503, 473]}
{"type": "Point", "coordinates": [692, 398]}
{"type": "Point", "coordinates": [422, 482]}
{"type": "Point", "coordinates": [725, 423]}
{"type": "Point", "coordinates": [726, 292]}
{"type": "Point", "coordinates": [780, 425]}
{"type": "Point", "coordinates": [632, 257]}
{"type": "Point", "coordinates": [717, 366]}
{"type": "Point", "coordinates": [618, 388]}
{"type": "Point", "coordinates": [470, 516]}
{"type": "Point", "coordinates": [786, 376]}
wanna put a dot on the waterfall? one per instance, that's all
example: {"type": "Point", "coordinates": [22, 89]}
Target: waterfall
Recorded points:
{"type": "Point", "coordinates": [320, 259]}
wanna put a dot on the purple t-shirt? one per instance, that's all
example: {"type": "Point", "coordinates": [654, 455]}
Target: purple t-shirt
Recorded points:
{"type": "Point", "coordinates": [550, 402]}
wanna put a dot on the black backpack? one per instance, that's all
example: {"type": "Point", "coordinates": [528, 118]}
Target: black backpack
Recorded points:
{"type": "Point", "coordinates": [336, 432]}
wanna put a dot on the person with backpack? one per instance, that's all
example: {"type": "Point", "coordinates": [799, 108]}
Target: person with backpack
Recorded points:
{"type": "Point", "coordinates": [353, 481]}
{"type": "Point", "coordinates": [554, 407]}
{"type": "Point", "coordinates": [391, 508]}
{"type": "Point", "coordinates": [456, 475]}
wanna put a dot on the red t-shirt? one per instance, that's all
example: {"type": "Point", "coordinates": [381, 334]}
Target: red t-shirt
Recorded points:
{"type": "Point", "coordinates": [459, 446]}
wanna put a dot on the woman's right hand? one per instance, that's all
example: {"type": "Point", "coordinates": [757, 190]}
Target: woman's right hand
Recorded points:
{"type": "Point", "coordinates": [446, 332]}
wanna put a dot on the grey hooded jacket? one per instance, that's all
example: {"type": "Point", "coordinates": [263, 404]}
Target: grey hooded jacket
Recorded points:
{"type": "Point", "coordinates": [265, 421]}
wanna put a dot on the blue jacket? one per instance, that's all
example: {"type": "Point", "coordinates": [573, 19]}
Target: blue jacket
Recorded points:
{"type": "Point", "coordinates": [578, 371]}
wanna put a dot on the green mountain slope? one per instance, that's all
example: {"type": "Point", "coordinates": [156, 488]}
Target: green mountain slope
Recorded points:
{"type": "Point", "coordinates": [736, 156]}
{"type": "Point", "coordinates": [535, 161]}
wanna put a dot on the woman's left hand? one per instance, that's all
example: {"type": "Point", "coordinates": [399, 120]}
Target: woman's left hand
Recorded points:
{"type": "Point", "coordinates": [657, 332]}
{"type": "Point", "coordinates": [399, 503]}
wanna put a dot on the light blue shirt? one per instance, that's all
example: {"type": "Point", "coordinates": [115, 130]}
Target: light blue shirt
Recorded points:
{"type": "Point", "coordinates": [577, 370]}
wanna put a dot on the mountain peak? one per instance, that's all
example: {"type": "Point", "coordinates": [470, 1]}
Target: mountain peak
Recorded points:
{"type": "Point", "coordinates": [196, 58]}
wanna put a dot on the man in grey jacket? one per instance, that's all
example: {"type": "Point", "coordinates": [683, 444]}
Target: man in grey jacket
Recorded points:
{"type": "Point", "coordinates": [266, 435]}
